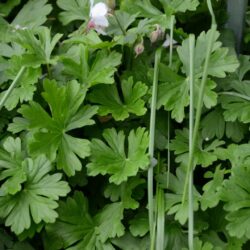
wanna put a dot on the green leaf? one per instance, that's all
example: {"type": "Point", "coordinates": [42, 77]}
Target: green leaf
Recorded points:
{"type": "Point", "coordinates": [237, 102]}
{"type": "Point", "coordinates": [50, 132]}
{"type": "Point", "coordinates": [236, 154]}
{"type": "Point", "coordinates": [174, 96]}
{"type": "Point", "coordinates": [211, 195]}
{"type": "Point", "coordinates": [199, 245]}
{"type": "Point", "coordinates": [119, 22]}
{"type": "Point", "coordinates": [214, 125]}
{"type": "Point", "coordinates": [204, 154]}
{"type": "Point", "coordinates": [73, 10]}
{"type": "Point", "coordinates": [24, 91]}
{"type": "Point", "coordinates": [124, 192]}
{"type": "Point", "coordinates": [33, 14]}
{"type": "Point", "coordinates": [11, 168]}
{"type": "Point", "coordinates": [6, 8]}
{"type": "Point", "coordinates": [37, 199]}
{"type": "Point", "coordinates": [75, 229]}
{"type": "Point", "coordinates": [209, 129]}
{"type": "Point", "coordinates": [110, 157]}
{"type": "Point", "coordinates": [144, 8]}
{"type": "Point", "coordinates": [111, 102]}
{"type": "Point", "coordinates": [101, 70]}
{"type": "Point", "coordinates": [39, 46]}
{"type": "Point", "coordinates": [236, 195]}
{"type": "Point", "coordinates": [129, 242]}
{"type": "Point", "coordinates": [174, 195]}
{"type": "Point", "coordinates": [174, 6]}
{"type": "Point", "coordinates": [139, 225]}
{"type": "Point", "coordinates": [220, 61]}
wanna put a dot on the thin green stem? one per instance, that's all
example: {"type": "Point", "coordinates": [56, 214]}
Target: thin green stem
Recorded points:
{"type": "Point", "coordinates": [191, 127]}
{"type": "Point", "coordinates": [160, 219]}
{"type": "Point", "coordinates": [247, 98]}
{"type": "Point", "coordinates": [172, 21]}
{"type": "Point", "coordinates": [49, 70]}
{"type": "Point", "coordinates": [199, 108]}
{"type": "Point", "coordinates": [151, 146]}
{"type": "Point", "coordinates": [11, 87]}
{"type": "Point", "coordinates": [168, 153]}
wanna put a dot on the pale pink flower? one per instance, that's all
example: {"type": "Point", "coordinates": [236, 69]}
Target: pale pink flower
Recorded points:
{"type": "Point", "coordinates": [98, 17]}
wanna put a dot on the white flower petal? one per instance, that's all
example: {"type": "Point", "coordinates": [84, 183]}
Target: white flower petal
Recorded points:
{"type": "Point", "coordinates": [99, 9]}
{"type": "Point", "coordinates": [101, 21]}
{"type": "Point", "coordinates": [167, 41]}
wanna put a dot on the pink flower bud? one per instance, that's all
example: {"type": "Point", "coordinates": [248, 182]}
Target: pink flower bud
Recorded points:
{"type": "Point", "coordinates": [156, 34]}
{"type": "Point", "coordinates": [139, 48]}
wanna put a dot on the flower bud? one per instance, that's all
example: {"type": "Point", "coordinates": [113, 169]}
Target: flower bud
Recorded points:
{"type": "Point", "coordinates": [139, 48]}
{"type": "Point", "coordinates": [156, 34]}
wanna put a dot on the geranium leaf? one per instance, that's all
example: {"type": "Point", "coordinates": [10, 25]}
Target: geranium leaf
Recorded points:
{"type": "Point", "coordinates": [174, 96]}
{"type": "Point", "coordinates": [204, 155]}
{"type": "Point", "coordinates": [174, 195]}
{"type": "Point", "coordinates": [235, 193]}
{"type": "Point", "coordinates": [12, 171]}
{"type": "Point", "coordinates": [39, 46]}
{"type": "Point", "coordinates": [33, 14]}
{"type": "Point", "coordinates": [110, 157]}
{"type": "Point", "coordinates": [37, 199]}
{"type": "Point", "coordinates": [124, 192]}
{"type": "Point", "coordinates": [101, 70]}
{"type": "Point", "coordinates": [220, 62]}
{"type": "Point", "coordinates": [80, 230]}
{"type": "Point", "coordinates": [50, 132]}
{"type": "Point", "coordinates": [73, 10]}
{"type": "Point", "coordinates": [110, 101]}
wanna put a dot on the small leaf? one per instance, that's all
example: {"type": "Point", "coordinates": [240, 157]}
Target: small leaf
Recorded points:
{"type": "Point", "coordinates": [110, 157]}
{"type": "Point", "coordinates": [37, 200]}
{"type": "Point", "coordinates": [33, 14]}
{"type": "Point", "coordinates": [111, 102]}
{"type": "Point", "coordinates": [73, 10]}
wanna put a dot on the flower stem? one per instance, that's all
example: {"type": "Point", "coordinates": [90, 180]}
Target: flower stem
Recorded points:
{"type": "Point", "coordinates": [12, 86]}
{"type": "Point", "coordinates": [200, 102]}
{"type": "Point", "coordinates": [235, 94]}
{"type": "Point", "coordinates": [151, 147]}
{"type": "Point", "coordinates": [191, 125]}
{"type": "Point", "coordinates": [172, 21]}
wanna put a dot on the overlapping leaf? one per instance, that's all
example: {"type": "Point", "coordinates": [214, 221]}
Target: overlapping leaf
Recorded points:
{"type": "Point", "coordinates": [33, 14]}
{"type": "Point", "coordinates": [236, 194]}
{"type": "Point", "coordinates": [39, 46]}
{"type": "Point", "coordinates": [12, 170]}
{"type": "Point", "coordinates": [111, 102]}
{"type": "Point", "coordinates": [110, 157]}
{"type": "Point", "coordinates": [211, 195]}
{"type": "Point", "coordinates": [101, 70]}
{"type": "Point", "coordinates": [220, 63]}
{"type": "Point", "coordinates": [204, 155]}
{"type": "Point", "coordinates": [24, 91]}
{"type": "Point", "coordinates": [50, 132]}
{"type": "Point", "coordinates": [73, 10]}
{"type": "Point", "coordinates": [174, 195]}
{"type": "Point", "coordinates": [174, 96]}
{"type": "Point", "coordinates": [124, 192]}
{"type": "Point", "coordinates": [75, 229]}
{"type": "Point", "coordinates": [37, 200]}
